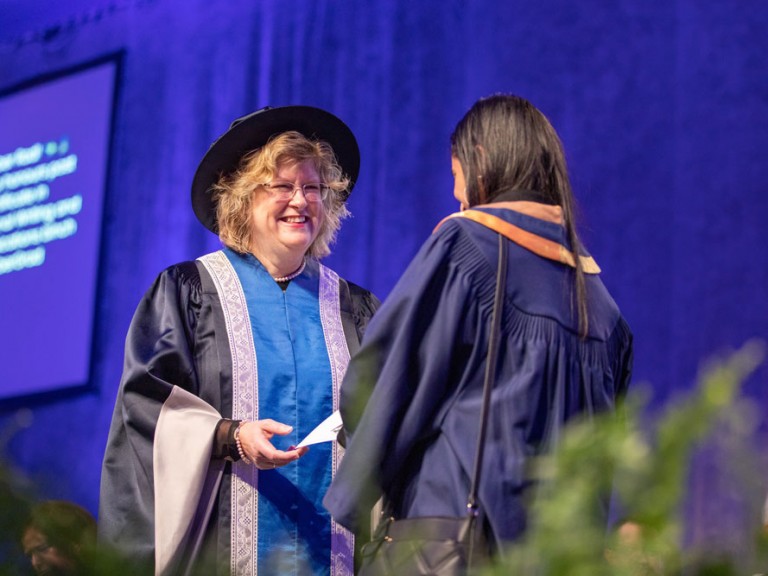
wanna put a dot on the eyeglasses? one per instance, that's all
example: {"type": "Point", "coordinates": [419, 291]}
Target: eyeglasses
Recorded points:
{"type": "Point", "coordinates": [38, 550]}
{"type": "Point", "coordinates": [313, 191]}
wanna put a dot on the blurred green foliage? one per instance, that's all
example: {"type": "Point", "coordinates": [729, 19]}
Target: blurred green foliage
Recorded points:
{"type": "Point", "coordinates": [646, 467]}
{"type": "Point", "coordinates": [14, 508]}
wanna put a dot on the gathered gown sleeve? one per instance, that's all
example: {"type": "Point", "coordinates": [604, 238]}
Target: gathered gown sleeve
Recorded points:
{"type": "Point", "coordinates": [402, 374]}
{"type": "Point", "coordinates": [159, 357]}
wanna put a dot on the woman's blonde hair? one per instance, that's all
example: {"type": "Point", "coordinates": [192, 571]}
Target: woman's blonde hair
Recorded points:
{"type": "Point", "coordinates": [234, 192]}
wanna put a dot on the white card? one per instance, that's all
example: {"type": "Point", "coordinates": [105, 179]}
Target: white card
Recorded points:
{"type": "Point", "coordinates": [325, 432]}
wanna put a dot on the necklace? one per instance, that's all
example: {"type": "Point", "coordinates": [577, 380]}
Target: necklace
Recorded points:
{"type": "Point", "coordinates": [292, 275]}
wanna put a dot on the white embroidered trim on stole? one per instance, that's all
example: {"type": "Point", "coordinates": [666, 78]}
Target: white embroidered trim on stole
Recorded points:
{"type": "Point", "coordinates": [245, 386]}
{"type": "Point", "coordinates": [342, 541]}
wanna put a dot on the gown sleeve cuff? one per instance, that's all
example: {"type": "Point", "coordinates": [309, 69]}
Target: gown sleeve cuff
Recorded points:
{"type": "Point", "coordinates": [224, 445]}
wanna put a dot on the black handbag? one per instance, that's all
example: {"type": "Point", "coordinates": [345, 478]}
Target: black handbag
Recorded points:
{"type": "Point", "coordinates": [433, 545]}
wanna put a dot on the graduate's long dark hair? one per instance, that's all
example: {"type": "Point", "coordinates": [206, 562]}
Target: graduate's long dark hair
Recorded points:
{"type": "Point", "coordinates": [505, 143]}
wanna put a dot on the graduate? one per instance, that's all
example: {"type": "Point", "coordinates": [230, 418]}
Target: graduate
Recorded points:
{"type": "Point", "coordinates": [565, 349]}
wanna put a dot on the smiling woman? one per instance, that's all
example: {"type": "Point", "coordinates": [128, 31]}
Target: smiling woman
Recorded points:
{"type": "Point", "coordinates": [238, 349]}
{"type": "Point", "coordinates": [283, 225]}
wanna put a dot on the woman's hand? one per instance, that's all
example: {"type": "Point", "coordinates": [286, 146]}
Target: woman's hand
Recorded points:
{"type": "Point", "coordinates": [255, 442]}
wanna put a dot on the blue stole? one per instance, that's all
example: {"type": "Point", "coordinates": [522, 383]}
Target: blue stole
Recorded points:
{"type": "Point", "coordinates": [279, 525]}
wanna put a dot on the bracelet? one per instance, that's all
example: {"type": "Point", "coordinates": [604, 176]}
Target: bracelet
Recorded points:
{"type": "Point", "coordinates": [243, 457]}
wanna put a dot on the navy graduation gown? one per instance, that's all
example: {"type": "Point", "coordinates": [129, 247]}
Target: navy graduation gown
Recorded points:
{"type": "Point", "coordinates": [421, 370]}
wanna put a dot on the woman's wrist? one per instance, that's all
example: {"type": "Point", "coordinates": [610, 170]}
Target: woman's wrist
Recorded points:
{"type": "Point", "coordinates": [239, 444]}
{"type": "Point", "coordinates": [224, 443]}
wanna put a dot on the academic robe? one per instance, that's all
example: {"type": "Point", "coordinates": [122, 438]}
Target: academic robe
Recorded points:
{"type": "Point", "coordinates": [197, 351]}
{"type": "Point", "coordinates": [421, 368]}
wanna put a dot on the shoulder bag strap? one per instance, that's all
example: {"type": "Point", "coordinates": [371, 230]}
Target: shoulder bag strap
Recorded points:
{"type": "Point", "coordinates": [490, 369]}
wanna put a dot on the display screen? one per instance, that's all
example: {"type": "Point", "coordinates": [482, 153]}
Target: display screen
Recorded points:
{"type": "Point", "coordinates": [54, 154]}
